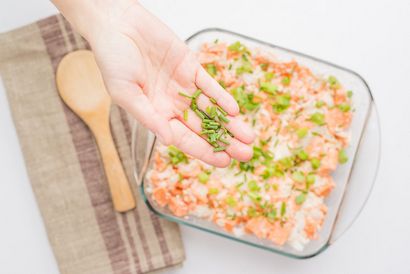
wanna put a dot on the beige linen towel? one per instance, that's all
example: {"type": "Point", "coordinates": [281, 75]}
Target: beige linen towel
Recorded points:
{"type": "Point", "coordinates": [64, 165]}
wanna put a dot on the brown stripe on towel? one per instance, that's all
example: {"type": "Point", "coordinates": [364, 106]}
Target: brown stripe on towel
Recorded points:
{"type": "Point", "coordinates": [89, 159]}
{"type": "Point", "coordinates": [155, 221]}
{"type": "Point", "coordinates": [130, 239]}
{"type": "Point", "coordinates": [118, 138]}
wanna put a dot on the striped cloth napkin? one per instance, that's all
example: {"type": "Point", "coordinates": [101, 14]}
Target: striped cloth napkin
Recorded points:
{"type": "Point", "coordinates": [65, 169]}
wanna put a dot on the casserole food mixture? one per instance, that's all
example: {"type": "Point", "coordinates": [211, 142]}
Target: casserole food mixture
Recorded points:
{"type": "Point", "coordinates": [302, 124]}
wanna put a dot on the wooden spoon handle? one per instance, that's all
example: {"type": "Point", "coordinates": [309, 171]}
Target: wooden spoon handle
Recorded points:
{"type": "Point", "coordinates": [121, 193]}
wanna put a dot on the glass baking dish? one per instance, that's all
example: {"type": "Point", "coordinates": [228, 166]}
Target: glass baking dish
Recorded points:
{"type": "Point", "coordinates": [354, 180]}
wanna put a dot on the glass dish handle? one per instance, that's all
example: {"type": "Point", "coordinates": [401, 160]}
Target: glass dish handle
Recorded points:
{"type": "Point", "coordinates": [362, 177]}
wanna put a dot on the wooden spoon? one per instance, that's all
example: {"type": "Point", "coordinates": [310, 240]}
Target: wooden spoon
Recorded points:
{"type": "Point", "coordinates": [81, 86]}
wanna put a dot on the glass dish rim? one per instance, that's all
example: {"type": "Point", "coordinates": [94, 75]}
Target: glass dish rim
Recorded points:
{"type": "Point", "coordinates": [372, 107]}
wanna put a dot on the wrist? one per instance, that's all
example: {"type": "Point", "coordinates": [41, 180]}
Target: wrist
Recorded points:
{"type": "Point", "coordinates": [91, 17]}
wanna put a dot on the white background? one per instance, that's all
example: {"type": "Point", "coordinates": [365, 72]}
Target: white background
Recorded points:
{"type": "Point", "coordinates": [371, 37]}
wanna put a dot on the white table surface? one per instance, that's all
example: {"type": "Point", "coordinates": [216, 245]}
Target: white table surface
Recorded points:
{"type": "Point", "coordinates": [371, 37]}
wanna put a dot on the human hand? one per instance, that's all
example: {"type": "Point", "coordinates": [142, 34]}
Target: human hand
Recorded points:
{"type": "Point", "coordinates": [145, 66]}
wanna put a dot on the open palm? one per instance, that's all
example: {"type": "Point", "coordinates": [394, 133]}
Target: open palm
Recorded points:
{"type": "Point", "coordinates": [144, 66]}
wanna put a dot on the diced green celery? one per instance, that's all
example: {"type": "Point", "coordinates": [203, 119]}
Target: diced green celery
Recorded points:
{"type": "Point", "coordinates": [343, 157]}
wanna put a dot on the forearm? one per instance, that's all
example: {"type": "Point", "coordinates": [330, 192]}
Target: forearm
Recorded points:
{"type": "Point", "coordinates": [88, 17]}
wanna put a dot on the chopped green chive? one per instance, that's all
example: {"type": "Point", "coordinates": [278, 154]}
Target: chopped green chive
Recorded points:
{"type": "Point", "coordinates": [302, 132]}
{"type": "Point", "coordinates": [252, 212]}
{"type": "Point", "coordinates": [268, 87]}
{"type": "Point", "coordinates": [269, 76]}
{"type": "Point", "coordinates": [272, 214]}
{"type": "Point", "coordinates": [344, 107]}
{"type": "Point", "coordinates": [230, 201]}
{"type": "Point", "coordinates": [211, 69]}
{"type": "Point", "coordinates": [333, 82]}
{"type": "Point", "coordinates": [184, 95]}
{"type": "Point", "coordinates": [176, 156]}
{"type": "Point", "coordinates": [203, 177]}
{"type": "Point", "coordinates": [245, 68]}
{"type": "Point", "coordinates": [302, 155]}
{"type": "Point", "coordinates": [318, 118]}
{"type": "Point", "coordinates": [215, 144]}
{"type": "Point", "coordinates": [244, 99]}
{"type": "Point", "coordinates": [199, 113]}
{"type": "Point", "coordinates": [315, 162]}
{"type": "Point", "coordinates": [253, 186]}
{"type": "Point", "coordinates": [210, 126]}
{"type": "Point", "coordinates": [196, 94]}
{"type": "Point", "coordinates": [212, 112]}
{"type": "Point", "coordinates": [223, 118]}
{"type": "Point", "coordinates": [310, 180]}
{"type": "Point", "coordinates": [349, 93]}
{"type": "Point", "coordinates": [319, 104]}
{"type": "Point", "coordinates": [212, 121]}
{"type": "Point", "coordinates": [283, 99]}
{"type": "Point", "coordinates": [283, 209]}
{"type": "Point", "coordinates": [286, 80]}
{"type": "Point", "coordinates": [193, 105]}
{"type": "Point", "coordinates": [226, 142]}
{"type": "Point", "coordinates": [282, 103]}
{"type": "Point", "coordinates": [300, 199]}
{"type": "Point", "coordinates": [298, 176]}
{"type": "Point", "coordinates": [237, 47]}
{"type": "Point", "coordinates": [213, 191]}
{"type": "Point", "coordinates": [255, 196]}
{"type": "Point", "coordinates": [222, 110]}
{"type": "Point", "coordinates": [208, 131]}
{"type": "Point", "coordinates": [343, 157]}
{"type": "Point", "coordinates": [186, 115]}
{"type": "Point", "coordinates": [287, 162]}
{"type": "Point", "coordinates": [217, 149]}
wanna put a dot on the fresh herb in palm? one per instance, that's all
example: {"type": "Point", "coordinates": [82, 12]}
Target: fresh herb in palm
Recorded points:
{"type": "Point", "coordinates": [213, 120]}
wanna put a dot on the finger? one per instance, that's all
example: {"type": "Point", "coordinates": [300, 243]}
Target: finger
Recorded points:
{"type": "Point", "coordinates": [213, 89]}
{"type": "Point", "coordinates": [133, 100]}
{"type": "Point", "coordinates": [192, 144]}
{"type": "Point", "coordinates": [236, 149]}
{"type": "Point", "coordinates": [241, 130]}
{"type": "Point", "coordinates": [191, 120]}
